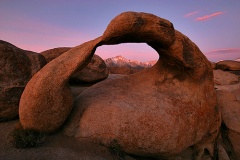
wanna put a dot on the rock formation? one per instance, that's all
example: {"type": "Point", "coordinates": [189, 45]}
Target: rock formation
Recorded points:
{"type": "Point", "coordinates": [47, 99]}
{"type": "Point", "coordinates": [51, 54]}
{"type": "Point", "coordinates": [228, 65]}
{"type": "Point", "coordinates": [95, 71]}
{"type": "Point", "coordinates": [172, 104]}
{"type": "Point", "coordinates": [160, 111]}
{"type": "Point", "coordinates": [17, 66]}
{"type": "Point", "coordinates": [222, 77]}
{"type": "Point", "coordinates": [230, 130]}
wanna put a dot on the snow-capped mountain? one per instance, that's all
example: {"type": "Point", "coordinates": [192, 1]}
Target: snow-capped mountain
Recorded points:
{"type": "Point", "coordinates": [237, 59]}
{"type": "Point", "coordinates": [120, 61]}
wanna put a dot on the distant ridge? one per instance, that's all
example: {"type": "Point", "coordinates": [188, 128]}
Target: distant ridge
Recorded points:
{"type": "Point", "coordinates": [238, 59]}
{"type": "Point", "coordinates": [120, 61]}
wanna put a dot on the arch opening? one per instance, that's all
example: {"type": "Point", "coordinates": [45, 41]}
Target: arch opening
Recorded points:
{"type": "Point", "coordinates": [131, 51]}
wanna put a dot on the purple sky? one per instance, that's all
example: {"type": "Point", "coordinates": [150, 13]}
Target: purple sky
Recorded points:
{"type": "Point", "coordinates": [39, 25]}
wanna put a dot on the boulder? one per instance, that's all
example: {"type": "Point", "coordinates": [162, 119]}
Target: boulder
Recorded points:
{"type": "Point", "coordinates": [157, 112]}
{"type": "Point", "coordinates": [224, 78]}
{"type": "Point", "coordinates": [17, 66]}
{"type": "Point", "coordinates": [228, 65]}
{"type": "Point", "coordinates": [44, 108]}
{"type": "Point", "coordinates": [54, 53]}
{"type": "Point", "coordinates": [95, 71]}
{"type": "Point", "coordinates": [230, 109]}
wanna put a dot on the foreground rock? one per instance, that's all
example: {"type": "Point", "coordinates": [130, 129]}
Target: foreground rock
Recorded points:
{"type": "Point", "coordinates": [95, 71]}
{"type": "Point", "coordinates": [230, 131]}
{"type": "Point", "coordinates": [44, 108]}
{"type": "Point", "coordinates": [17, 66]}
{"type": "Point", "coordinates": [161, 111]}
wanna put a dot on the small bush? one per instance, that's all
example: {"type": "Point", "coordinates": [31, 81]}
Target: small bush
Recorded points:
{"type": "Point", "coordinates": [26, 138]}
{"type": "Point", "coordinates": [116, 149]}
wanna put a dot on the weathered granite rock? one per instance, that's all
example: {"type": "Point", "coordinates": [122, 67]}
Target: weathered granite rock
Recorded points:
{"type": "Point", "coordinates": [95, 71]}
{"type": "Point", "coordinates": [230, 109]}
{"type": "Point", "coordinates": [160, 111]}
{"type": "Point", "coordinates": [237, 93]}
{"type": "Point", "coordinates": [228, 65]}
{"type": "Point", "coordinates": [224, 78]}
{"type": "Point", "coordinates": [17, 66]}
{"type": "Point", "coordinates": [43, 107]}
{"type": "Point", "coordinates": [230, 87]}
{"type": "Point", "coordinates": [51, 54]}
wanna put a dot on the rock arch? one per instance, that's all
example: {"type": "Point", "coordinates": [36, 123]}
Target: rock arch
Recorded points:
{"type": "Point", "coordinates": [160, 111]}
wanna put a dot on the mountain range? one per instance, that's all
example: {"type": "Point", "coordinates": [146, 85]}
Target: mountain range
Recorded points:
{"type": "Point", "coordinates": [120, 61]}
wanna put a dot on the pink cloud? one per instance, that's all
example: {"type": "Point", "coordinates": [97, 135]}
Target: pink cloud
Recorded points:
{"type": "Point", "coordinates": [207, 17]}
{"type": "Point", "coordinates": [225, 50]}
{"type": "Point", "coordinates": [190, 14]}
{"type": "Point", "coordinates": [223, 54]}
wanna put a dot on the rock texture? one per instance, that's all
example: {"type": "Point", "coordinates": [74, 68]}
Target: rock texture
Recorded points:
{"type": "Point", "coordinates": [17, 66]}
{"type": "Point", "coordinates": [230, 131]}
{"type": "Point", "coordinates": [54, 53]}
{"type": "Point", "coordinates": [160, 111]}
{"type": "Point", "coordinates": [228, 95]}
{"type": "Point", "coordinates": [95, 71]}
{"type": "Point", "coordinates": [43, 107]}
{"type": "Point", "coordinates": [228, 65]}
{"type": "Point", "coordinates": [222, 77]}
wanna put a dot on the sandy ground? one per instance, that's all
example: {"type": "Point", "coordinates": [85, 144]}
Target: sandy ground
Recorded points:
{"type": "Point", "coordinates": [56, 147]}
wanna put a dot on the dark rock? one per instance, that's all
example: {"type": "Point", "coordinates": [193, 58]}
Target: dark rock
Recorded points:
{"type": "Point", "coordinates": [17, 66]}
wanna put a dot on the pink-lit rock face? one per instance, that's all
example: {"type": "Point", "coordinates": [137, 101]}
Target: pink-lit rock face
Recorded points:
{"type": "Point", "coordinates": [157, 112]}
{"type": "Point", "coordinates": [47, 99]}
{"type": "Point", "coordinates": [17, 66]}
{"type": "Point", "coordinates": [160, 111]}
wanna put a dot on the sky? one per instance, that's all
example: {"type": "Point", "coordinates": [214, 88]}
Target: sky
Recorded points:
{"type": "Point", "coordinates": [38, 25]}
